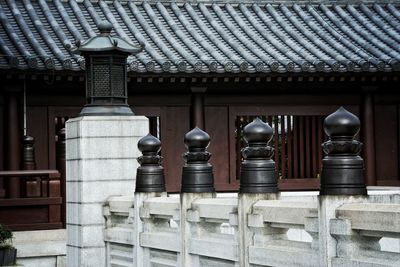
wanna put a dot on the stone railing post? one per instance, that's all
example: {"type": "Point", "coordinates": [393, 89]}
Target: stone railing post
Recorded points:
{"type": "Point", "coordinates": [101, 162]}
{"type": "Point", "coordinates": [197, 182]}
{"type": "Point", "coordinates": [150, 182]}
{"type": "Point", "coordinates": [100, 146]}
{"type": "Point", "coordinates": [342, 177]}
{"type": "Point", "coordinates": [257, 179]}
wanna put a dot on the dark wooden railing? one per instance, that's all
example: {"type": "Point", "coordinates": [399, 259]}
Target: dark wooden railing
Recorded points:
{"type": "Point", "coordinates": [25, 212]}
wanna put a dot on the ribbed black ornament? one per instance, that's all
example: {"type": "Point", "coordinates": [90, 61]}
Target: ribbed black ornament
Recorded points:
{"type": "Point", "coordinates": [197, 173]}
{"type": "Point", "coordinates": [342, 168]}
{"type": "Point", "coordinates": [257, 171]}
{"type": "Point", "coordinates": [28, 160]}
{"type": "Point", "coordinates": [150, 174]}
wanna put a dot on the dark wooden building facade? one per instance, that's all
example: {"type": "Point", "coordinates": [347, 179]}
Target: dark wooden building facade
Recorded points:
{"type": "Point", "coordinates": [212, 66]}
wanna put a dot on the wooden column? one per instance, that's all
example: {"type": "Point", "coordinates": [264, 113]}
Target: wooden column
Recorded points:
{"type": "Point", "coordinates": [368, 127]}
{"type": "Point", "coordinates": [2, 143]}
{"type": "Point", "coordinates": [197, 108]}
{"type": "Point", "coordinates": [61, 166]}
{"type": "Point", "coordinates": [13, 139]}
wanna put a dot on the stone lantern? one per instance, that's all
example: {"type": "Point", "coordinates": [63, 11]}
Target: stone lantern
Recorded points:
{"type": "Point", "coordinates": [106, 81]}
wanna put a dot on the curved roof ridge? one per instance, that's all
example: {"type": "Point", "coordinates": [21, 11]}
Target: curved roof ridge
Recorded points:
{"type": "Point", "coordinates": [208, 36]}
{"type": "Point", "coordinates": [276, 2]}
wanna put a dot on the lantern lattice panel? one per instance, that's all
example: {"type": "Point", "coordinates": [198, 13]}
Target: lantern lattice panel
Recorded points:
{"type": "Point", "coordinates": [101, 80]}
{"type": "Point", "coordinates": [117, 80]}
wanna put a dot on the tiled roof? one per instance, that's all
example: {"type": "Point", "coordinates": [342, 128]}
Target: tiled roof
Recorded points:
{"type": "Point", "coordinates": [207, 37]}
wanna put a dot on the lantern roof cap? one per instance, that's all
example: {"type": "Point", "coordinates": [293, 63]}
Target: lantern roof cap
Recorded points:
{"type": "Point", "coordinates": [105, 42]}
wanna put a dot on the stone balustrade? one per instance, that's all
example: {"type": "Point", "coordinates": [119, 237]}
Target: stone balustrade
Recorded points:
{"type": "Point", "coordinates": [214, 236]}
{"type": "Point", "coordinates": [344, 225]}
{"type": "Point", "coordinates": [270, 222]}
{"type": "Point", "coordinates": [359, 227]}
{"type": "Point", "coordinates": [209, 244]}
{"type": "Point", "coordinates": [160, 216]}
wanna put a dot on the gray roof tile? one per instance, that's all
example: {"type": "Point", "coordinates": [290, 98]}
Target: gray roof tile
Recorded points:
{"type": "Point", "coordinates": [292, 36]}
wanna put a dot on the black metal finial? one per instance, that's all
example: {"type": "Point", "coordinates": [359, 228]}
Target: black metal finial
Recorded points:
{"type": "Point", "coordinates": [29, 162]}
{"type": "Point", "coordinates": [341, 124]}
{"type": "Point", "coordinates": [257, 171]}
{"type": "Point", "coordinates": [197, 173]}
{"type": "Point", "coordinates": [342, 168]}
{"type": "Point", "coordinates": [150, 174]}
{"type": "Point", "coordinates": [197, 140]}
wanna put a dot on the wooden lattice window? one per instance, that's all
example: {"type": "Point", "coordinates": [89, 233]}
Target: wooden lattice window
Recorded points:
{"type": "Point", "coordinates": [297, 143]}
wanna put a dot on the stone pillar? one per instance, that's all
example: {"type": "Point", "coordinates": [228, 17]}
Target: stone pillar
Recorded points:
{"type": "Point", "coordinates": [101, 147]}
{"type": "Point", "coordinates": [101, 156]}
{"type": "Point", "coordinates": [150, 182]}
{"type": "Point", "coordinates": [257, 179]}
{"type": "Point", "coordinates": [342, 176]}
{"type": "Point", "coordinates": [197, 182]}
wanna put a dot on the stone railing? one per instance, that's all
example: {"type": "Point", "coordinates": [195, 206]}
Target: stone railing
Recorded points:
{"type": "Point", "coordinates": [119, 234]}
{"type": "Point", "coordinates": [359, 227]}
{"type": "Point", "coordinates": [212, 236]}
{"type": "Point", "coordinates": [270, 221]}
{"type": "Point", "coordinates": [342, 226]}
{"type": "Point", "coordinates": [213, 233]}
{"type": "Point", "coordinates": [159, 243]}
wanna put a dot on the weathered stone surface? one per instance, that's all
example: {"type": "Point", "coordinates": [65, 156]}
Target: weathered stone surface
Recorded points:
{"type": "Point", "coordinates": [217, 247]}
{"type": "Point", "coordinates": [283, 211]}
{"type": "Point", "coordinates": [102, 148]}
{"type": "Point", "coordinates": [211, 239]}
{"type": "Point", "coordinates": [40, 248]}
{"type": "Point", "coordinates": [98, 191]}
{"type": "Point", "coordinates": [246, 237]}
{"type": "Point", "coordinates": [327, 211]}
{"type": "Point", "coordinates": [371, 216]}
{"type": "Point", "coordinates": [102, 169]}
{"type": "Point", "coordinates": [283, 253]}
{"type": "Point", "coordinates": [101, 155]}
{"type": "Point", "coordinates": [52, 243]}
{"type": "Point", "coordinates": [120, 204]}
{"type": "Point", "coordinates": [108, 126]}
{"type": "Point", "coordinates": [166, 206]}
{"type": "Point", "coordinates": [216, 208]}
{"type": "Point", "coordinates": [93, 213]}
{"type": "Point", "coordinates": [38, 262]}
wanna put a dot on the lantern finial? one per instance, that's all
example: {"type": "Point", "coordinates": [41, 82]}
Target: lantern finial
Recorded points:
{"type": "Point", "coordinates": [105, 27]}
